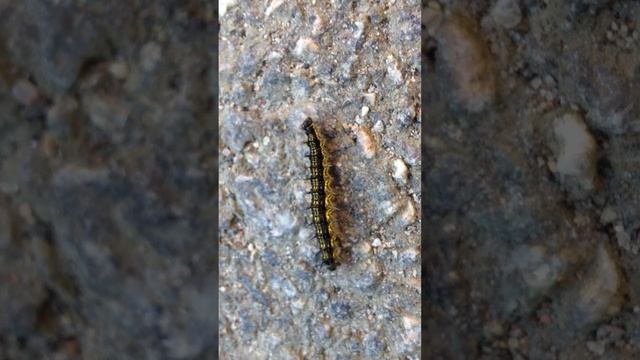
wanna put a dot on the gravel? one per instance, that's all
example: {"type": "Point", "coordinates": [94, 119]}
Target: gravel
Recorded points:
{"type": "Point", "coordinates": [531, 181]}
{"type": "Point", "coordinates": [354, 69]}
{"type": "Point", "coordinates": [106, 180]}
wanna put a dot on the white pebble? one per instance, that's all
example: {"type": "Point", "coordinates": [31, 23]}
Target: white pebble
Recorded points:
{"type": "Point", "coordinates": [305, 46]}
{"type": "Point", "coordinates": [364, 111]}
{"type": "Point", "coordinates": [371, 98]}
{"type": "Point", "coordinates": [318, 25]}
{"type": "Point", "coordinates": [575, 156]}
{"type": "Point", "coordinates": [359, 29]}
{"type": "Point", "coordinates": [467, 55]}
{"type": "Point", "coordinates": [273, 6]}
{"type": "Point", "coordinates": [366, 142]}
{"type": "Point", "coordinates": [410, 254]}
{"type": "Point", "coordinates": [223, 5]}
{"type": "Point", "coordinates": [400, 171]}
{"type": "Point", "coordinates": [393, 70]}
{"type": "Point", "coordinates": [388, 207]}
{"type": "Point", "coordinates": [376, 243]}
{"type": "Point", "coordinates": [409, 214]}
{"type": "Point", "coordinates": [411, 326]}
{"type": "Point", "coordinates": [274, 55]}
{"type": "Point", "coordinates": [378, 127]}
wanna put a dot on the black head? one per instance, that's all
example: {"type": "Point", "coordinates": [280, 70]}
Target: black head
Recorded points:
{"type": "Point", "coordinates": [307, 125]}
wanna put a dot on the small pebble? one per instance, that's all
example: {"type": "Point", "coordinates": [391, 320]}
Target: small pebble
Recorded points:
{"type": "Point", "coordinates": [370, 98]}
{"type": "Point", "coordinates": [466, 54]}
{"type": "Point", "coordinates": [393, 70]}
{"type": "Point", "coordinates": [364, 111]}
{"type": "Point", "coordinates": [400, 171]}
{"type": "Point", "coordinates": [576, 151]}
{"type": "Point", "coordinates": [410, 254]}
{"type": "Point", "coordinates": [536, 83]}
{"type": "Point", "coordinates": [506, 13]}
{"type": "Point", "coordinates": [408, 216]}
{"type": "Point", "coordinates": [608, 215]}
{"type": "Point", "coordinates": [106, 112]}
{"type": "Point", "coordinates": [305, 46]}
{"type": "Point", "coordinates": [596, 347]}
{"type": "Point", "coordinates": [150, 55]}
{"type": "Point", "coordinates": [609, 36]}
{"type": "Point", "coordinates": [25, 92]}
{"type": "Point", "coordinates": [624, 239]}
{"type": "Point", "coordinates": [224, 5]}
{"type": "Point", "coordinates": [119, 70]}
{"type": "Point", "coordinates": [366, 142]}
{"type": "Point", "coordinates": [273, 6]}
{"type": "Point", "coordinates": [318, 25]}
{"type": "Point", "coordinates": [378, 127]}
{"type": "Point", "coordinates": [411, 325]}
{"type": "Point", "coordinates": [376, 243]}
{"type": "Point", "coordinates": [549, 80]}
{"type": "Point", "coordinates": [388, 207]}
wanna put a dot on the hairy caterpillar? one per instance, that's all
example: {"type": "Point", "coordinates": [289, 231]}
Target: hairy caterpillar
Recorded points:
{"type": "Point", "coordinates": [321, 195]}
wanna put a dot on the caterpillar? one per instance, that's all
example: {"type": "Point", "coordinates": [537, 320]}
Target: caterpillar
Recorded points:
{"type": "Point", "coordinates": [321, 195]}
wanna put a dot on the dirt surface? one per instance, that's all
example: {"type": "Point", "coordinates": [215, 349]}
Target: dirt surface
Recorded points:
{"type": "Point", "coordinates": [107, 162]}
{"type": "Point", "coordinates": [531, 179]}
{"type": "Point", "coordinates": [354, 68]}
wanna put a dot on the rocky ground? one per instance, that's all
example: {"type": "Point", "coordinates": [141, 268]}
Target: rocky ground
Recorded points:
{"type": "Point", "coordinates": [106, 180]}
{"type": "Point", "coordinates": [354, 68]}
{"type": "Point", "coordinates": [532, 157]}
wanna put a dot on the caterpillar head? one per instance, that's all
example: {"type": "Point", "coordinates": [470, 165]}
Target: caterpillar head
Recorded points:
{"type": "Point", "coordinates": [307, 125]}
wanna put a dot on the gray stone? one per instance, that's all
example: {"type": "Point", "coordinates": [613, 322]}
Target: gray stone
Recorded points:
{"type": "Point", "coordinates": [506, 13]}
